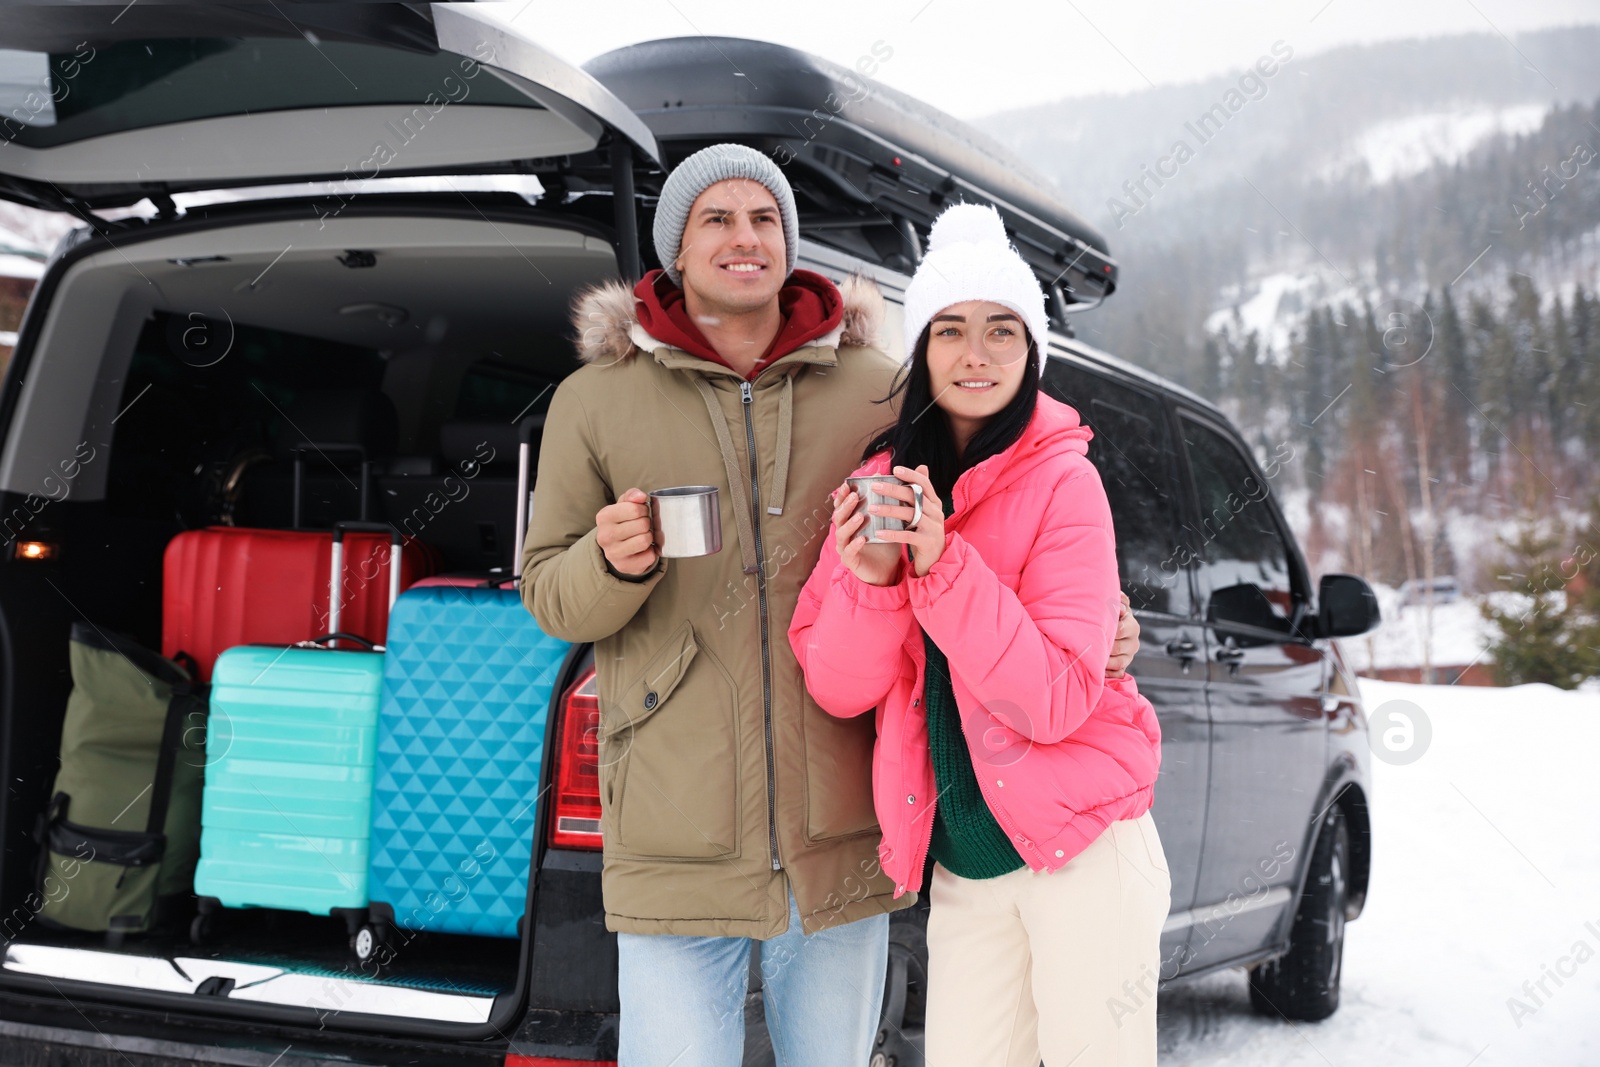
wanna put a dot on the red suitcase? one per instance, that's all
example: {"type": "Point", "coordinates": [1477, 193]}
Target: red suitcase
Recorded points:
{"type": "Point", "coordinates": [225, 585]}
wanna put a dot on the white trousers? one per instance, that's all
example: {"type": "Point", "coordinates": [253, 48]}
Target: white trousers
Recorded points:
{"type": "Point", "coordinates": [1062, 965]}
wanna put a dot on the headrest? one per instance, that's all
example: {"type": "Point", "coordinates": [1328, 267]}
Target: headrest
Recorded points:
{"type": "Point", "coordinates": [412, 467]}
{"type": "Point", "coordinates": [362, 417]}
{"type": "Point", "coordinates": [464, 440]}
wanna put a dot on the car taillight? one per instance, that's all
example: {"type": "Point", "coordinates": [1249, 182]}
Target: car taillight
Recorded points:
{"type": "Point", "coordinates": [575, 816]}
{"type": "Point", "coordinates": [514, 1059]}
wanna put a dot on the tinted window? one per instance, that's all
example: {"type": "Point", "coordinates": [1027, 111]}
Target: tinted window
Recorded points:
{"type": "Point", "coordinates": [68, 96]}
{"type": "Point", "coordinates": [1132, 449]}
{"type": "Point", "coordinates": [1238, 539]}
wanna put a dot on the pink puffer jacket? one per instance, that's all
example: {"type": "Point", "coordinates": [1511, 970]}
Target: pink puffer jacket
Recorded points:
{"type": "Point", "coordinates": [1024, 605]}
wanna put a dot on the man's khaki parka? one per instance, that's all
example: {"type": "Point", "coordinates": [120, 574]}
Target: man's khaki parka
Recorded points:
{"type": "Point", "coordinates": [721, 780]}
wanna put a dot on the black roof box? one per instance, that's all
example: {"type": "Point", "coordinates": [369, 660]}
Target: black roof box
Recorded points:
{"type": "Point", "coordinates": [870, 166]}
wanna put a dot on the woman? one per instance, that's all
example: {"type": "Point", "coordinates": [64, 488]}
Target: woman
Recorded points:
{"type": "Point", "coordinates": [1004, 754]}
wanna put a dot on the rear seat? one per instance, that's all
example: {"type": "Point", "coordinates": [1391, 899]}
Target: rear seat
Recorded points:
{"type": "Point", "coordinates": [467, 506]}
{"type": "Point", "coordinates": [337, 432]}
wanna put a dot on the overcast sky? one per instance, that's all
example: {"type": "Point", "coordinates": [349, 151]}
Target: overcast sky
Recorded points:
{"type": "Point", "coordinates": [972, 59]}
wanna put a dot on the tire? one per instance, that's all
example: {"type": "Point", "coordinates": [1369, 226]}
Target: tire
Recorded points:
{"type": "Point", "coordinates": [904, 992]}
{"type": "Point", "coordinates": [1303, 984]}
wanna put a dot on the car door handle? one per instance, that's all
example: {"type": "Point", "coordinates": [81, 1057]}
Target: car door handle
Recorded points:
{"type": "Point", "coordinates": [1182, 648]}
{"type": "Point", "coordinates": [1230, 654]}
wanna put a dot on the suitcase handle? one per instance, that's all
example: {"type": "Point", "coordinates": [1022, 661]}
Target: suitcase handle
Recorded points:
{"type": "Point", "coordinates": [356, 526]}
{"type": "Point", "coordinates": [525, 432]}
{"type": "Point", "coordinates": [336, 568]}
{"type": "Point", "coordinates": [338, 635]}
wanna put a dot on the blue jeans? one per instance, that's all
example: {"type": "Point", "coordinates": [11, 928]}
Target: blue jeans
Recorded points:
{"type": "Point", "coordinates": [683, 997]}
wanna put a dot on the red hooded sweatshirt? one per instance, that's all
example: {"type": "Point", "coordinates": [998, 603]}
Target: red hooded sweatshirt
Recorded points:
{"type": "Point", "coordinates": [809, 303]}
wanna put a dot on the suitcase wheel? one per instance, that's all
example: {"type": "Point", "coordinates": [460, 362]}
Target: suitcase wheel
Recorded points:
{"type": "Point", "coordinates": [366, 941]}
{"type": "Point", "coordinates": [204, 924]}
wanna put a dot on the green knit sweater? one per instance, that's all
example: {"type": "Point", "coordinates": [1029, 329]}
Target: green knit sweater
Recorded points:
{"type": "Point", "coordinates": [966, 837]}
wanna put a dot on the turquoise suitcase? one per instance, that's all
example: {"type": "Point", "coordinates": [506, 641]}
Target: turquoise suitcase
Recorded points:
{"type": "Point", "coordinates": [286, 813]}
{"type": "Point", "coordinates": [468, 682]}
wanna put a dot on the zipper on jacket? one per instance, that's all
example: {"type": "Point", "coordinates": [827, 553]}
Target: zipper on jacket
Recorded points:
{"type": "Point", "coordinates": [918, 875]}
{"type": "Point", "coordinates": [746, 397]}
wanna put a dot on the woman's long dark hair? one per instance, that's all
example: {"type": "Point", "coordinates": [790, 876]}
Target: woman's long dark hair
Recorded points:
{"type": "Point", "coordinates": [922, 433]}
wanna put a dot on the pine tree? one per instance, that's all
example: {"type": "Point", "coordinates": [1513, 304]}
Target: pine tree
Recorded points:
{"type": "Point", "coordinates": [1544, 636]}
{"type": "Point", "coordinates": [1210, 381]}
{"type": "Point", "coordinates": [1583, 589]}
{"type": "Point", "coordinates": [1564, 376]}
{"type": "Point", "coordinates": [1495, 360]}
{"type": "Point", "coordinates": [1586, 354]}
{"type": "Point", "coordinates": [1527, 383]}
{"type": "Point", "coordinates": [1312, 395]}
{"type": "Point", "coordinates": [1456, 414]}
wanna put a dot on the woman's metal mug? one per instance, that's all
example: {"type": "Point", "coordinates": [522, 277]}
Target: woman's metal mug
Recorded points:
{"type": "Point", "coordinates": [686, 520]}
{"type": "Point", "coordinates": [876, 524]}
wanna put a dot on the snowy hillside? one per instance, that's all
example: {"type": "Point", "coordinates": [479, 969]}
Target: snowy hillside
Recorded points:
{"type": "Point", "coordinates": [1271, 306]}
{"type": "Point", "coordinates": [1400, 147]}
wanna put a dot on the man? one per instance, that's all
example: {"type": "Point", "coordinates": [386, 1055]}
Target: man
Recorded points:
{"type": "Point", "coordinates": [733, 808]}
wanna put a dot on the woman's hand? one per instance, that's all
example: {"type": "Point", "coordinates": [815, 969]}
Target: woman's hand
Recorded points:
{"type": "Point", "coordinates": [926, 542]}
{"type": "Point", "coordinates": [873, 564]}
{"type": "Point", "coordinates": [1126, 644]}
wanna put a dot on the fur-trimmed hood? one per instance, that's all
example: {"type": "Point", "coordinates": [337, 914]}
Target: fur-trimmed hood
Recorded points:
{"type": "Point", "coordinates": [607, 328]}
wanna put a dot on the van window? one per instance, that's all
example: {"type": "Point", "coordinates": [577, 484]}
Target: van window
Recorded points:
{"type": "Point", "coordinates": [1132, 449]}
{"type": "Point", "coordinates": [1239, 540]}
{"type": "Point", "coordinates": [65, 97]}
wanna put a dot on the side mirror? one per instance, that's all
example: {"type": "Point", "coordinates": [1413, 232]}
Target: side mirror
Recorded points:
{"type": "Point", "coordinates": [1346, 606]}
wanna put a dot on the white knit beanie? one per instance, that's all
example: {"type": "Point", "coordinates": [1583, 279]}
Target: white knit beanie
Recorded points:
{"type": "Point", "coordinates": [970, 258]}
{"type": "Point", "coordinates": [704, 169]}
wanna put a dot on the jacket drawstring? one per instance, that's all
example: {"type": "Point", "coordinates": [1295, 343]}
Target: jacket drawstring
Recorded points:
{"type": "Point", "coordinates": [785, 430]}
{"type": "Point", "coordinates": [736, 480]}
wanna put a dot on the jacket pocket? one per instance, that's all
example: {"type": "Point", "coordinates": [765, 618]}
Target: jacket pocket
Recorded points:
{"type": "Point", "coordinates": [838, 773]}
{"type": "Point", "coordinates": [674, 774]}
{"type": "Point", "coordinates": [645, 695]}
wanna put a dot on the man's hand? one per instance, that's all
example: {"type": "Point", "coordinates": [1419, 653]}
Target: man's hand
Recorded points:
{"type": "Point", "coordinates": [623, 530]}
{"type": "Point", "coordinates": [1126, 643]}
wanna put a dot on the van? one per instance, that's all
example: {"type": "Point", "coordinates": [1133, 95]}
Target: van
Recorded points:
{"type": "Point", "coordinates": [1444, 589]}
{"type": "Point", "coordinates": [163, 360]}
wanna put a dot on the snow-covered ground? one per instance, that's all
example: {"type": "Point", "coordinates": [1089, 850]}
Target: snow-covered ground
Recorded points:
{"type": "Point", "coordinates": [1485, 876]}
{"type": "Point", "coordinates": [1461, 635]}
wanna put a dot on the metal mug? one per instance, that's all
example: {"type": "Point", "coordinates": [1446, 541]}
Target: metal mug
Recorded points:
{"type": "Point", "coordinates": [686, 520]}
{"type": "Point", "coordinates": [876, 524]}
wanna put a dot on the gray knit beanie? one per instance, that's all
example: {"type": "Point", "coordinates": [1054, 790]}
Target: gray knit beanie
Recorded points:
{"type": "Point", "coordinates": [703, 169]}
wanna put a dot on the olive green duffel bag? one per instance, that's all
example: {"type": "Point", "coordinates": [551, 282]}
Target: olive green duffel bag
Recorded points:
{"type": "Point", "coordinates": [119, 840]}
